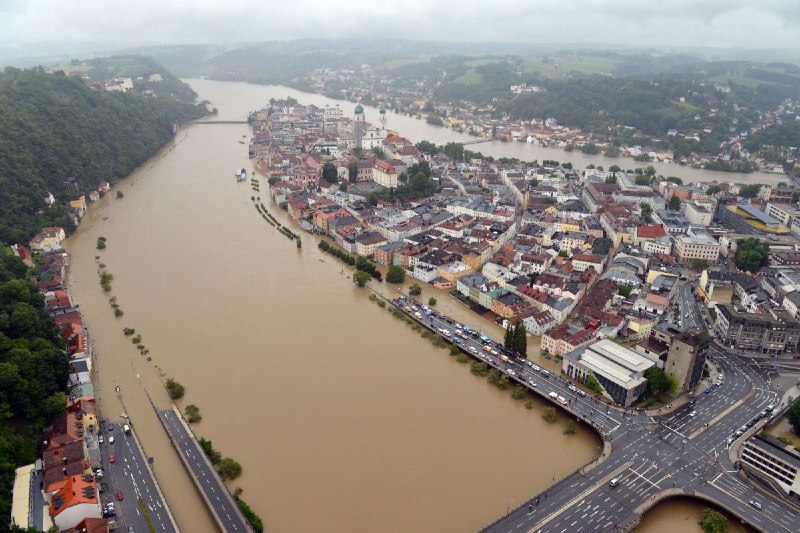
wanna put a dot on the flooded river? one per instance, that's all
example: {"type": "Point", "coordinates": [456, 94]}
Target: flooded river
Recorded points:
{"type": "Point", "coordinates": [342, 417]}
{"type": "Point", "coordinates": [417, 130]}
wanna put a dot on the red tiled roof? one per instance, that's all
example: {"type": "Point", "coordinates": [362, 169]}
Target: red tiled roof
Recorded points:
{"type": "Point", "coordinates": [651, 231]}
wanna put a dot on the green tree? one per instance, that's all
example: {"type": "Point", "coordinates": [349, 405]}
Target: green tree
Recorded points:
{"type": "Point", "coordinates": [414, 290]}
{"type": "Point", "coordinates": [213, 455]}
{"type": "Point", "coordinates": [175, 389]}
{"type": "Point", "coordinates": [251, 516]}
{"type": "Point", "coordinates": [713, 522]}
{"type": "Point", "coordinates": [571, 428]}
{"type": "Point", "coordinates": [352, 171]}
{"type": "Point", "coordinates": [361, 278]}
{"type": "Point", "coordinates": [625, 290]}
{"type": "Point", "coordinates": [593, 384]}
{"type": "Point", "coordinates": [750, 191]}
{"type": "Point", "coordinates": [508, 337]}
{"type": "Point", "coordinates": [751, 254]}
{"type": "Point", "coordinates": [193, 413]}
{"type": "Point", "coordinates": [434, 120]}
{"type": "Point", "coordinates": [520, 340]}
{"type": "Point", "coordinates": [642, 180]}
{"type": "Point", "coordinates": [273, 180]}
{"type": "Point", "coordinates": [229, 469]}
{"type": "Point", "coordinates": [699, 264]}
{"type": "Point", "coordinates": [454, 150]}
{"type": "Point", "coordinates": [431, 301]}
{"type": "Point", "coordinates": [395, 274]}
{"type": "Point", "coordinates": [329, 173]}
{"type": "Point", "coordinates": [793, 415]}
{"type": "Point", "coordinates": [549, 414]}
{"type": "Point", "coordinates": [674, 203]}
{"type": "Point", "coordinates": [656, 380]}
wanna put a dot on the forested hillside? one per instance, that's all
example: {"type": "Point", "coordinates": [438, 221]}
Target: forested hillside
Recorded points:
{"type": "Point", "coordinates": [53, 127]}
{"type": "Point", "coordinates": [33, 372]}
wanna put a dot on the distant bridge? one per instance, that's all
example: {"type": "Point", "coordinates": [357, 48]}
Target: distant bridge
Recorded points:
{"type": "Point", "coordinates": [220, 122]}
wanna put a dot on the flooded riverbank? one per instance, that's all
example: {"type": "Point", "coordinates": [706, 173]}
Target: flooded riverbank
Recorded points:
{"type": "Point", "coordinates": [417, 130]}
{"type": "Point", "coordinates": [342, 417]}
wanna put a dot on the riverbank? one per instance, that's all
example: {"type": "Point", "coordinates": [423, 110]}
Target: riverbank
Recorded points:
{"type": "Point", "coordinates": [227, 305]}
{"type": "Point", "coordinates": [417, 129]}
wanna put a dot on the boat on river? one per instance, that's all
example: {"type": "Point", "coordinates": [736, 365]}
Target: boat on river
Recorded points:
{"type": "Point", "coordinates": [241, 174]}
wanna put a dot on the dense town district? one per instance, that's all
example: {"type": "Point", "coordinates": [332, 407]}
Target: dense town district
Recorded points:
{"type": "Point", "coordinates": [667, 314]}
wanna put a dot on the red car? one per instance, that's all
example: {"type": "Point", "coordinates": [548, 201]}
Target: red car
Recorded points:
{"type": "Point", "coordinates": [111, 458]}
{"type": "Point", "coordinates": [119, 495]}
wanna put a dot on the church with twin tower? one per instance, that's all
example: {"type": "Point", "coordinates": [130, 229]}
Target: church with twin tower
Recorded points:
{"type": "Point", "coordinates": [368, 137]}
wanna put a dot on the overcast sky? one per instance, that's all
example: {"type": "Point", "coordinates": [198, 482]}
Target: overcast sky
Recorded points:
{"type": "Point", "coordinates": [28, 24]}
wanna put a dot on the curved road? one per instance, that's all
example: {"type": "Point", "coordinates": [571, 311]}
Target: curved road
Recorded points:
{"type": "Point", "coordinates": [682, 452]}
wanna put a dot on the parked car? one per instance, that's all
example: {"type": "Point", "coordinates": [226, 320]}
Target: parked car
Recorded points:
{"type": "Point", "coordinates": [120, 496]}
{"type": "Point", "coordinates": [755, 504]}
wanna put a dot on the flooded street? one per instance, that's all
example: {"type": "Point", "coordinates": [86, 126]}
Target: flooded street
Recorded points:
{"type": "Point", "coordinates": [342, 417]}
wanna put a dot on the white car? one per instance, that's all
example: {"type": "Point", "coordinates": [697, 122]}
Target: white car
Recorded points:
{"type": "Point", "coordinates": [693, 414]}
{"type": "Point", "coordinates": [573, 388]}
{"type": "Point", "coordinates": [511, 372]}
{"type": "Point", "coordinates": [111, 440]}
{"type": "Point", "coordinates": [531, 383]}
{"type": "Point", "coordinates": [536, 368]}
{"type": "Point", "coordinates": [472, 349]}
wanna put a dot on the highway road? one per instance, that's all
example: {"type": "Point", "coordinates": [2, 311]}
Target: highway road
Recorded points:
{"type": "Point", "coordinates": [684, 450]}
{"type": "Point", "coordinates": [206, 478]}
{"type": "Point", "coordinates": [130, 475]}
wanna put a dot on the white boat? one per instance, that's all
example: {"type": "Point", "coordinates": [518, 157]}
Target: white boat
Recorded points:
{"type": "Point", "coordinates": [241, 174]}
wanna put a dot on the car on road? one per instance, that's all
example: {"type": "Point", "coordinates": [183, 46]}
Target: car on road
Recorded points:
{"type": "Point", "coordinates": [730, 441]}
{"type": "Point", "coordinates": [693, 414]}
{"type": "Point", "coordinates": [472, 349]}
{"type": "Point", "coordinates": [755, 504]}
{"type": "Point", "coordinates": [562, 400]}
{"type": "Point", "coordinates": [573, 388]}
{"type": "Point", "coordinates": [535, 367]}
{"type": "Point", "coordinates": [98, 472]}
{"type": "Point", "coordinates": [120, 496]}
{"type": "Point", "coordinates": [111, 458]}
{"type": "Point", "coordinates": [614, 482]}
{"type": "Point", "coordinates": [708, 390]}
{"type": "Point", "coordinates": [581, 393]}
{"type": "Point", "coordinates": [111, 426]}
{"type": "Point", "coordinates": [111, 440]}
{"type": "Point", "coordinates": [101, 439]}
{"type": "Point", "coordinates": [511, 372]}
{"type": "Point", "coordinates": [531, 383]}
{"type": "Point", "coordinates": [553, 394]}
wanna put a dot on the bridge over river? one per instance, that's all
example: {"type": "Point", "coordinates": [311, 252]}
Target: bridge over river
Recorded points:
{"type": "Point", "coordinates": [654, 456]}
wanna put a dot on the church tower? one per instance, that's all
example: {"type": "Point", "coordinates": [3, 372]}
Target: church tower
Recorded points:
{"type": "Point", "coordinates": [358, 126]}
{"type": "Point", "coordinates": [383, 119]}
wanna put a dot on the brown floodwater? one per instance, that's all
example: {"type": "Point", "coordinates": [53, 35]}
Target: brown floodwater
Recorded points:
{"type": "Point", "coordinates": [682, 515]}
{"type": "Point", "coordinates": [342, 417]}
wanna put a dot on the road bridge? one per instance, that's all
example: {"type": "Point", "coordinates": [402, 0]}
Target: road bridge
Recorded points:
{"type": "Point", "coordinates": [224, 509]}
{"type": "Point", "coordinates": [685, 452]}
{"type": "Point", "coordinates": [220, 122]}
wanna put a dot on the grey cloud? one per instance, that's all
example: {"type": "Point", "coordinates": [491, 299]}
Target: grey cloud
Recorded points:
{"type": "Point", "coordinates": [720, 23]}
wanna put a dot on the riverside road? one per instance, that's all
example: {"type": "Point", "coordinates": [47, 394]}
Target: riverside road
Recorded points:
{"type": "Point", "coordinates": [681, 452]}
{"type": "Point", "coordinates": [218, 499]}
